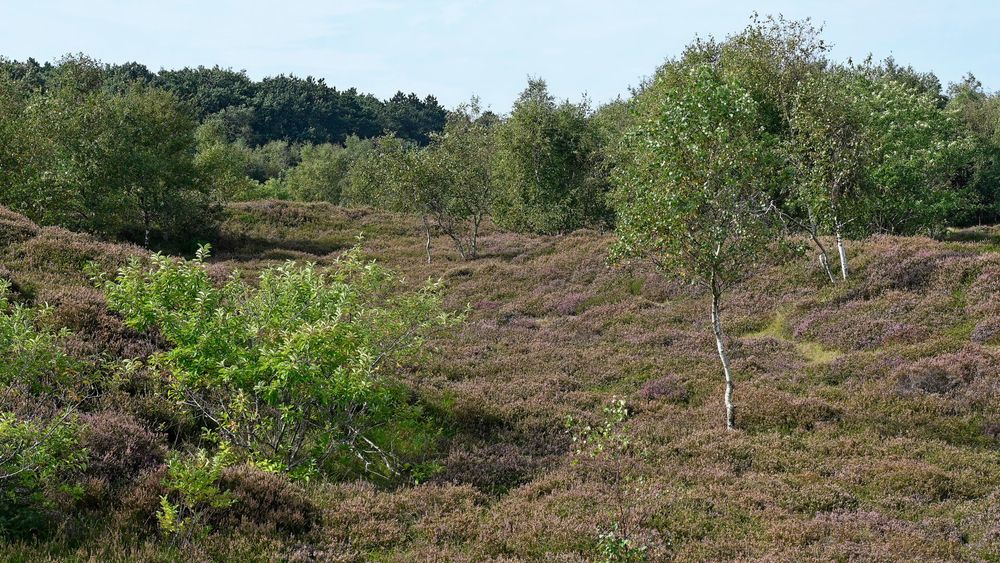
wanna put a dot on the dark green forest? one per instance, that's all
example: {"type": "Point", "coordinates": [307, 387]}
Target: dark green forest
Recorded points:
{"type": "Point", "coordinates": [745, 312]}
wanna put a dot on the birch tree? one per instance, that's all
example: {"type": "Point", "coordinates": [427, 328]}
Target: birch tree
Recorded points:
{"type": "Point", "coordinates": [829, 153]}
{"type": "Point", "coordinates": [690, 187]}
{"type": "Point", "coordinates": [547, 154]}
{"type": "Point", "coordinates": [449, 183]}
{"type": "Point", "coordinates": [459, 187]}
{"type": "Point", "coordinates": [870, 154]}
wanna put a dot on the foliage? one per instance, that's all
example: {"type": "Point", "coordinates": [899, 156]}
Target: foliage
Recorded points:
{"type": "Point", "coordinates": [117, 164]}
{"type": "Point", "coordinates": [39, 453]}
{"type": "Point", "coordinates": [193, 481]}
{"type": "Point", "coordinates": [223, 164]}
{"type": "Point", "coordinates": [547, 154]}
{"type": "Point", "coordinates": [294, 372]}
{"type": "Point", "coordinates": [384, 177]}
{"type": "Point", "coordinates": [615, 548]}
{"type": "Point", "coordinates": [979, 113]}
{"type": "Point", "coordinates": [772, 58]}
{"type": "Point", "coordinates": [274, 158]}
{"type": "Point", "coordinates": [39, 461]}
{"type": "Point", "coordinates": [690, 191]}
{"type": "Point", "coordinates": [206, 90]}
{"type": "Point", "coordinates": [610, 446]}
{"type": "Point", "coordinates": [322, 173]}
{"type": "Point", "coordinates": [462, 161]}
{"type": "Point", "coordinates": [449, 183]}
{"type": "Point", "coordinates": [917, 150]}
{"type": "Point", "coordinates": [34, 362]}
{"type": "Point", "coordinates": [277, 108]}
{"type": "Point", "coordinates": [413, 119]}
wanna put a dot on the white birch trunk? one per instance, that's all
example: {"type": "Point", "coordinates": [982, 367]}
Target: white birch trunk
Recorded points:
{"type": "Point", "coordinates": [825, 262]}
{"type": "Point", "coordinates": [842, 251]}
{"type": "Point", "coordinates": [724, 356]}
{"type": "Point", "coordinates": [427, 234]}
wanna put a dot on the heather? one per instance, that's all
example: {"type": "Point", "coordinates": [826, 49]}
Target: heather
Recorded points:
{"type": "Point", "coordinates": [866, 421]}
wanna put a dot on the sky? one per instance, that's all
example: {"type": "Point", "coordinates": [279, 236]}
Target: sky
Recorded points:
{"type": "Point", "coordinates": [454, 49]}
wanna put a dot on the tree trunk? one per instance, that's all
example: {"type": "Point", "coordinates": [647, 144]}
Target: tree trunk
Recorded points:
{"type": "Point", "coordinates": [842, 251]}
{"type": "Point", "coordinates": [474, 241]}
{"type": "Point", "coordinates": [824, 258]}
{"type": "Point", "coordinates": [724, 356]}
{"type": "Point", "coordinates": [427, 234]}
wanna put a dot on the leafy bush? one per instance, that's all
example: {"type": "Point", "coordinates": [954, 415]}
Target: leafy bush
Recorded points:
{"type": "Point", "coordinates": [192, 481]}
{"type": "Point", "coordinates": [322, 174]}
{"type": "Point", "coordinates": [31, 359]}
{"type": "Point", "coordinates": [292, 373]}
{"type": "Point", "coordinates": [39, 460]}
{"type": "Point", "coordinates": [39, 453]}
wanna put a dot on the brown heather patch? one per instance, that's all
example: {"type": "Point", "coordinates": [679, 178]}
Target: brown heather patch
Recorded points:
{"type": "Point", "coordinates": [14, 227]}
{"type": "Point", "coordinates": [120, 448]}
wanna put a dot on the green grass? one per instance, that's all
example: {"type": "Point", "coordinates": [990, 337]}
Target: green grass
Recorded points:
{"type": "Point", "coordinates": [813, 352]}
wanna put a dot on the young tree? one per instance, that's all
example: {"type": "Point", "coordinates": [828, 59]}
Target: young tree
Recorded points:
{"type": "Point", "coordinates": [223, 164]}
{"type": "Point", "coordinates": [461, 183]}
{"type": "Point", "coordinates": [830, 154]}
{"type": "Point", "coordinates": [448, 183]}
{"type": "Point", "coordinates": [273, 159]}
{"type": "Point", "coordinates": [871, 154]}
{"type": "Point", "coordinates": [690, 189]}
{"type": "Point", "coordinates": [387, 178]}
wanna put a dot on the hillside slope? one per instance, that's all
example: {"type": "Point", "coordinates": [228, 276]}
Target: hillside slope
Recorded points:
{"type": "Point", "coordinates": [868, 410]}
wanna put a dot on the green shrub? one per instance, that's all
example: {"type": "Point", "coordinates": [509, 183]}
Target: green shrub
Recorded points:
{"type": "Point", "coordinates": [31, 359]}
{"type": "Point", "coordinates": [293, 372]}
{"type": "Point", "coordinates": [39, 459]}
{"type": "Point", "coordinates": [192, 481]}
{"type": "Point", "coordinates": [39, 453]}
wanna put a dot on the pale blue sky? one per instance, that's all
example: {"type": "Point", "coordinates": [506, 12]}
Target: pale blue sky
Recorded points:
{"type": "Point", "coordinates": [453, 49]}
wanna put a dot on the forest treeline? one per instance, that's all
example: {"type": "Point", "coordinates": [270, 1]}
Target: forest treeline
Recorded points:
{"type": "Point", "coordinates": [275, 108]}
{"type": "Point", "coordinates": [131, 154]}
{"type": "Point", "coordinates": [128, 153]}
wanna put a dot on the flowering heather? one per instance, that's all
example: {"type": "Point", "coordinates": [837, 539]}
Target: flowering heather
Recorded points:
{"type": "Point", "coordinates": [867, 410]}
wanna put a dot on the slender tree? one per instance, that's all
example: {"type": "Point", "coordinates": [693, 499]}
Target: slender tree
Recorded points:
{"type": "Point", "coordinates": [462, 182]}
{"type": "Point", "coordinates": [449, 183]}
{"type": "Point", "coordinates": [829, 153]}
{"type": "Point", "coordinates": [690, 190]}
